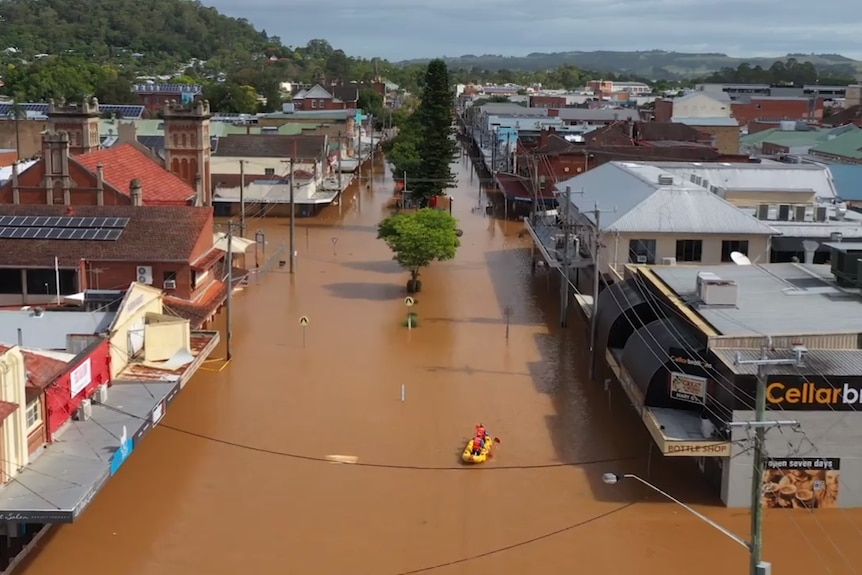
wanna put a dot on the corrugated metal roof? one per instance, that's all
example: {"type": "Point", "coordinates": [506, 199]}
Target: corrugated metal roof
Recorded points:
{"type": "Point", "coordinates": [775, 299]}
{"type": "Point", "coordinates": [643, 205]}
{"type": "Point", "coordinates": [711, 121]}
{"type": "Point", "coordinates": [828, 362]}
{"type": "Point", "coordinates": [774, 176]}
{"type": "Point", "coordinates": [599, 115]}
{"type": "Point", "coordinates": [847, 145]}
{"type": "Point", "coordinates": [848, 181]}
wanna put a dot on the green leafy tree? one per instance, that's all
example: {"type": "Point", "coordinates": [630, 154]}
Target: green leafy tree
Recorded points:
{"type": "Point", "coordinates": [228, 97]}
{"type": "Point", "coordinates": [418, 239]}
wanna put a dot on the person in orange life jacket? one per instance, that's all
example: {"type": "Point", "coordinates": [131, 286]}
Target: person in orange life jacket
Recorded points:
{"type": "Point", "coordinates": [476, 446]}
{"type": "Point", "coordinates": [481, 433]}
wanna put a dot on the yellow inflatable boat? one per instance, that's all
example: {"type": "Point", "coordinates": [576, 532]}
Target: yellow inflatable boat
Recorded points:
{"type": "Point", "coordinates": [469, 457]}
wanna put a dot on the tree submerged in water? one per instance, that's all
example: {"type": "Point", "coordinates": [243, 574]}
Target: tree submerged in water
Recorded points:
{"type": "Point", "coordinates": [418, 239]}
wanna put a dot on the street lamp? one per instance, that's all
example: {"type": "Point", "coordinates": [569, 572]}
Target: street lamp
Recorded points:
{"type": "Point", "coordinates": [763, 568]}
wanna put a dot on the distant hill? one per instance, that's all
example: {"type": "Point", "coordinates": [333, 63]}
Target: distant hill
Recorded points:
{"type": "Point", "coordinates": [175, 30]}
{"type": "Point", "coordinates": [653, 64]}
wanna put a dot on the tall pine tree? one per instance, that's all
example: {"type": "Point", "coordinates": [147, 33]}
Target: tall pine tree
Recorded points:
{"type": "Point", "coordinates": [436, 148]}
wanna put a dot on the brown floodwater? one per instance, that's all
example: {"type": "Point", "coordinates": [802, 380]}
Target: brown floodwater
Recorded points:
{"type": "Point", "coordinates": [184, 504]}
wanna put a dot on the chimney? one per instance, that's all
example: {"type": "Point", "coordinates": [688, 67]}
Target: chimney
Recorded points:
{"type": "Point", "coordinates": [136, 192]}
{"type": "Point", "coordinates": [82, 275]}
{"type": "Point", "coordinates": [70, 211]}
{"type": "Point", "coordinates": [16, 192]}
{"type": "Point", "coordinates": [100, 185]}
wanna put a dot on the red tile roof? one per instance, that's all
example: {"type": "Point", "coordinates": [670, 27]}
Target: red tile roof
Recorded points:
{"type": "Point", "coordinates": [153, 234]}
{"type": "Point", "coordinates": [125, 162]}
{"type": "Point", "coordinates": [6, 409]}
{"type": "Point", "coordinates": [41, 369]}
{"type": "Point", "coordinates": [200, 310]}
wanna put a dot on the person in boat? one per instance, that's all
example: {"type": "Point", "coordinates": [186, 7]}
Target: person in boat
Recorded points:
{"type": "Point", "coordinates": [476, 446]}
{"type": "Point", "coordinates": [481, 433]}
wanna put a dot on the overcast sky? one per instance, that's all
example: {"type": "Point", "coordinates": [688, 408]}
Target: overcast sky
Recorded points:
{"type": "Point", "coordinates": [404, 29]}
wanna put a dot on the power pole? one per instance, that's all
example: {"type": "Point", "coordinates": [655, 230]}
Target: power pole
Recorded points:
{"type": "Point", "coordinates": [371, 128]}
{"type": "Point", "coordinates": [242, 198]}
{"type": "Point", "coordinates": [292, 216]}
{"type": "Point", "coordinates": [564, 277]}
{"type": "Point", "coordinates": [340, 153]}
{"type": "Point", "coordinates": [597, 246]}
{"type": "Point", "coordinates": [760, 425]}
{"type": "Point", "coordinates": [229, 303]}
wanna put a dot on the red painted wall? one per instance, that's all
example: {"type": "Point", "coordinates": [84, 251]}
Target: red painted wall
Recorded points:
{"type": "Point", "coordinates": [58, 397]}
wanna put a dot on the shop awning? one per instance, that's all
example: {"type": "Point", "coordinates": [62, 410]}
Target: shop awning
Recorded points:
{"type": "Point", "coordinates": [621, 305]}
{"type": "Point", "coordinates": [238, 245]}
{"type": "Point", "coordinates": [62, 482]}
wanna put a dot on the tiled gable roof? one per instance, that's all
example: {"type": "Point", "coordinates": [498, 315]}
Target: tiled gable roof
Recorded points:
{"type": "Point", "coordinates": [851, 114]}
{"type": "Point", "coordinates": [125, 162]}
{"type": "Point", "coordinates": [41, 369]}
{"type": "Point", "coordinates": [318, 92]}
{"type": "Point", "coordinates": [153, 234]}
{"type": "Point", "coordinates": [346, 93]}
{"type": "Point", "coordinates": [271, 146]}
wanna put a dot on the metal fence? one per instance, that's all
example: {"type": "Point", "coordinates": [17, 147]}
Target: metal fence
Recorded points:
{"type": "Point", "coordinates": [269, 264]}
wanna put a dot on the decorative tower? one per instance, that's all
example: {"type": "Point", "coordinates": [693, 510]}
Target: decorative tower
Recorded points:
{"type": "Point", "coordinates": [55, 156]}
{"type": "Point", "coordinates": [187, 146]}
{"type": "Point", "coordinates": [80, 121]}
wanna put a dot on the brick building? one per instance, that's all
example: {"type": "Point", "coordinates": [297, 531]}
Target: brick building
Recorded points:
{"type": "Point", "coordinates": [109, 247]}
{"type": "Point", "coordinates": [750, 109]}
{"type": "Point", "coordinates": [74, 170]}
{"type": "Point", "coordinates": [335, 97]}
{"type": "Point", "coordinates": [547, 102]}
{"type": "Point", "coordinates": [156, 97]}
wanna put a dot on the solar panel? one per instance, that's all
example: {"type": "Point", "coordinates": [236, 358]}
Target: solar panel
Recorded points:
{"type": "Point", "coordinates": [54, 234]}
{"type": "Point", "coordinates": [4, 232]}
{"type": "Point", "coordinates": [102, 235]}
{"type": "Point", "coordinates": [30, 233]}
{"type": "Point", "coordinates": [19, 232]}
{"type": "Point", "coordinates": [114, 234]}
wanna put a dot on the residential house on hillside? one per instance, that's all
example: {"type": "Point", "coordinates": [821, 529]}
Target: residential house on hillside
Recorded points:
{"type": "Point", "coordinates": [335, 97]}
{"type": "Point", "coordinates": [51, 251]}
{"type": "Point", "coordinates": [155, 97]}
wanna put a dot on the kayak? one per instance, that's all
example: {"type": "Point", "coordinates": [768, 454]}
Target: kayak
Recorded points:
{"type": "Point", "coordinates": [468, 457]}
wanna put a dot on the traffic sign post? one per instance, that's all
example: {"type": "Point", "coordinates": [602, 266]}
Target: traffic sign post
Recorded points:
{"type": "Point", "coordinates": [409, 302]}
{"type": "Point", "coordinates": [303, 323]}
{"type": "Point", "coordinates": [507, 311]}
{"type": "Point", "coordinates": [334, 241]}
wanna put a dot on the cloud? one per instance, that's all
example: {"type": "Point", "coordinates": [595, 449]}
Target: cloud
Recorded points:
{"type": "Point", "coordinates": [402, 29]}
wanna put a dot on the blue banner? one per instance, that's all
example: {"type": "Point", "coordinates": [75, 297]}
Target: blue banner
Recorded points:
{"type": "Point", "coordinates": [127, 445]}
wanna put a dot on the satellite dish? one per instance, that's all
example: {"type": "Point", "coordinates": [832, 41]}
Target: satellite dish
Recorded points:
{"type": "Point", "coordinates": [740, 259]}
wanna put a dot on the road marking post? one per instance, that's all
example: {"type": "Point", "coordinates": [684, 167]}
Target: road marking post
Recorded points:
{"type": "Point", "coordinates": [334, 241]}
{"type": "Point", "coordinates": [409, 302]}
{"type": "Point", "coordinates": [403, 391]}
{"type": "Point", "coordinates": [303, 323]}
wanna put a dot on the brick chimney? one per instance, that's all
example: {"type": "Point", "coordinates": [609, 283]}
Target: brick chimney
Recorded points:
{"type": "Point", "coordinates": [82, 275]}
{"type": "Point", "coordinates": [136, 192]}
{"type": "Point", "coordinates": [544, 134]}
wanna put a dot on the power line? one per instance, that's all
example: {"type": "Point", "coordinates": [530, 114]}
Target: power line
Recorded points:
{"type": "Point", "coordinates": [523, 543]}
{"type": "Point", "coordinates": [316, 459]}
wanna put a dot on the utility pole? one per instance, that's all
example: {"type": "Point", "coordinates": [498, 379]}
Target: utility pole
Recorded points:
{"type": "Point", "coordinates": [292, 215]}
{"type": "Point", "coordinates": [760, 425]}
{"type": "Point", "coordinates": [597, 246]}
{"type": "Point", "coordinates": [242, 198]}
{"type": "Point", "coordinates": [564, 271]}
{"type": "Point", "coordinates": [229, 303]}
{"type": "Point", "coordinates": [340, 153]}
{"type": "Point", "coordinates": [371, 128]}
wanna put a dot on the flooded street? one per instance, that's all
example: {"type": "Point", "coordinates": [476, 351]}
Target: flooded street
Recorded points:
{"type": "Point", "coordinates": [235, 480]}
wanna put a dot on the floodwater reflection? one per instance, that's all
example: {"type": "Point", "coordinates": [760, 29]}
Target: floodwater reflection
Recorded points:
{"type": "Point", "coordinates": [185, 504]}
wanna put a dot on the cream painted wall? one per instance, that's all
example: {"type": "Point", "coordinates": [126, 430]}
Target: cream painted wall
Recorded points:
{"type": "Point", "coordinates": [748, 199]}
{"type": "Point", "coordinates": [280, 167]}
{"type": "Point", "coordinates": [130, 323]}
{"type": "Point", "coordinates": [13, 381]}
{"type": "Point", "coordinates": [616, 248]}
{"type": "Point", "coordinates": [164, 336]}
{"type": "Point", "coordinates": [701, 106]}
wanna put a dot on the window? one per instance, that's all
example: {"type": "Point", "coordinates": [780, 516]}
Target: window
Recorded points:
{"type": "Point", "coordinates": [11, 281]}
{"type": "Point", "coordinates": [269, 171]}
{"type": "Point", "coordinates": [44, 282]}
{"type": "Point", "coordinates": [314, 103]}
{"type": "Point", "coordinates": [642, 251]}
{"type": "Point", "coordinates": [33, 414]}
{"type": "Point", "coordinates": [169, 276]}
{"type": "Point", "coordinates": [689, 250]}
{"type": "Point", "coordinates": [730, 246]}
{"type": "Point", "coordinates": [757, 106]}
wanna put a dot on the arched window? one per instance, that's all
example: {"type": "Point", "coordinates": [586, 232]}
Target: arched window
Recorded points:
{"type": "Point", "coordinates": [185, 169]}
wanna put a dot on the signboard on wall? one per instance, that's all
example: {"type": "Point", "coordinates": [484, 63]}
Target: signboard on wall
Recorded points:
{"type": "Point", "coordinates": [801, 483]}
{"type": "Point", "coordinates": [80, 378]}
{"type": "Point", "coordinates": [690, 388]}
{"type": "Point", "coordinates": [127, 445]}
{"type": "Point", "coordinates": [815, 393]}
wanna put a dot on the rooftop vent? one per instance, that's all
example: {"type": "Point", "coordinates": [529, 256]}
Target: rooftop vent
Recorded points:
{"type": "Point", "coordinates": [665, 180]}
{"type": "Point", "coordinates": [712, 290]}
